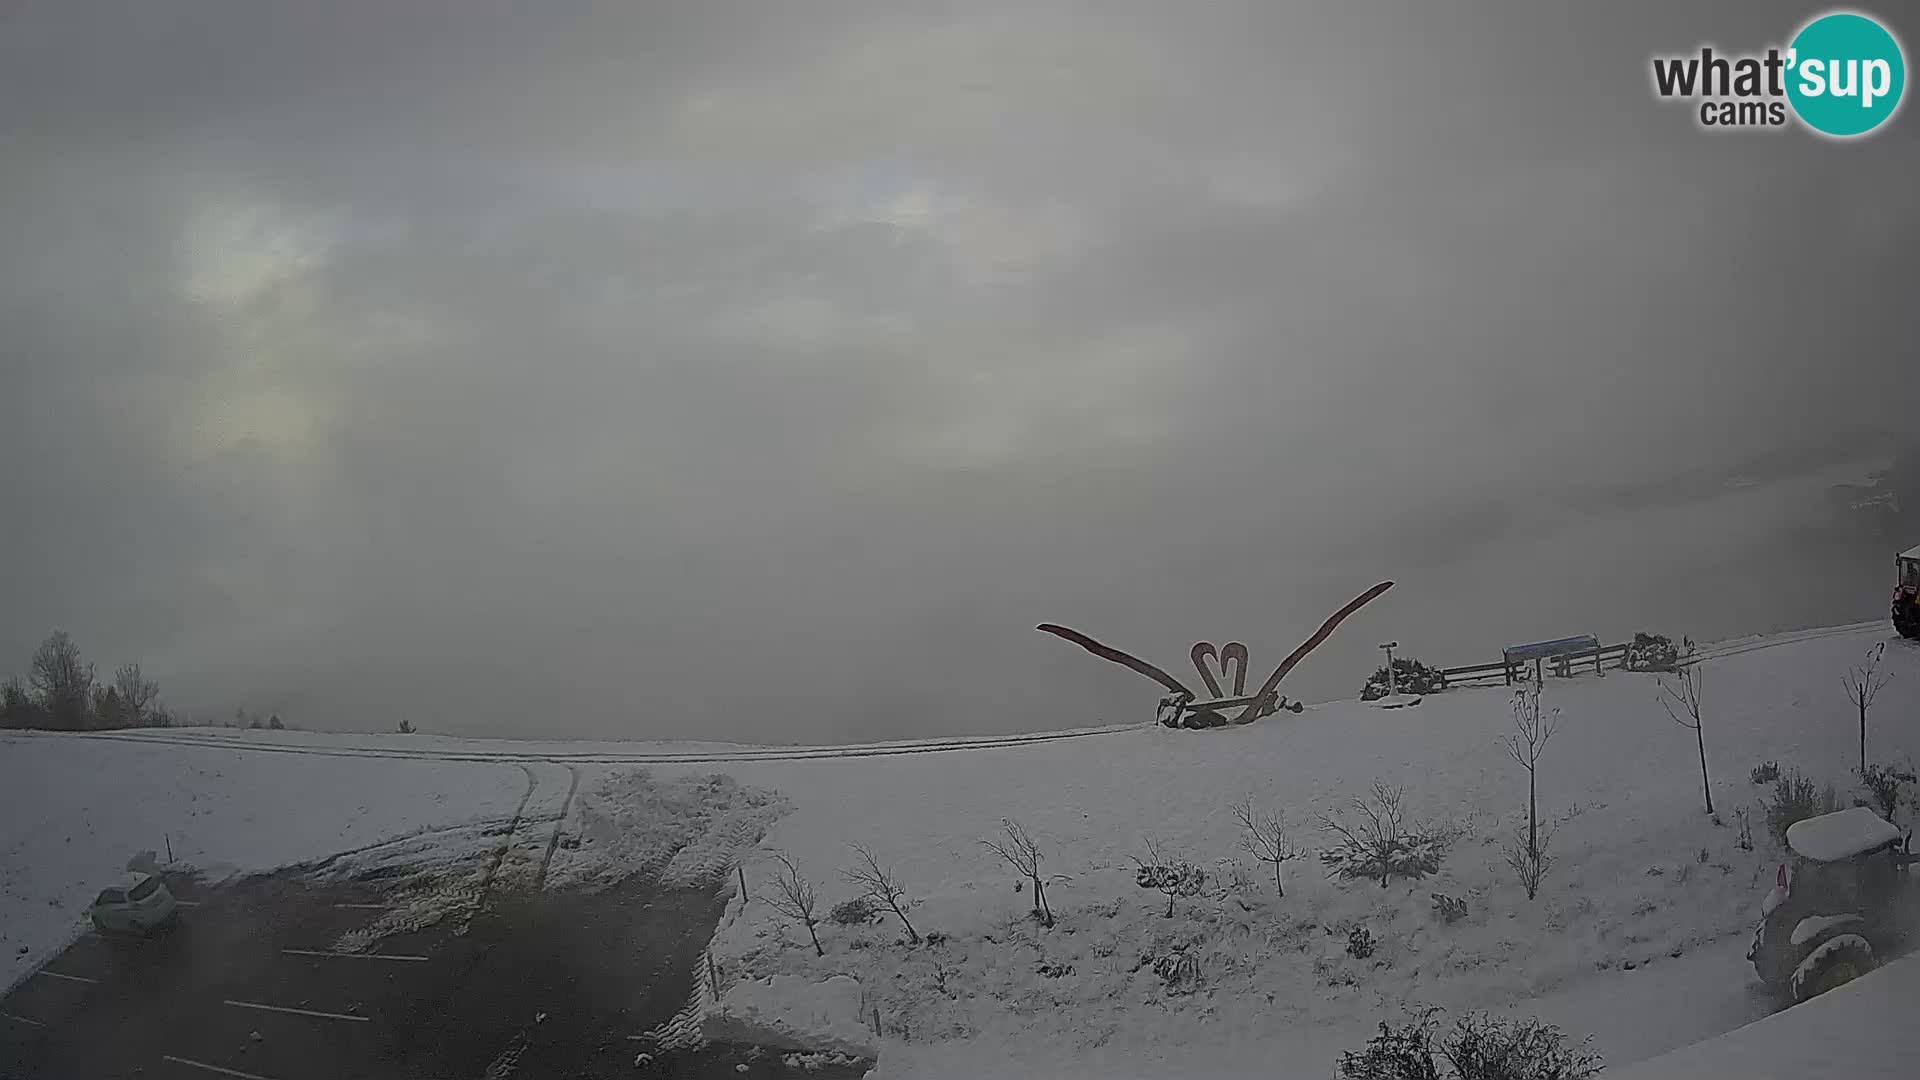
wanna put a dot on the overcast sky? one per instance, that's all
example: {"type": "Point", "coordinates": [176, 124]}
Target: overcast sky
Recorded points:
{"type": "Point", "coordinates": [767, 371]}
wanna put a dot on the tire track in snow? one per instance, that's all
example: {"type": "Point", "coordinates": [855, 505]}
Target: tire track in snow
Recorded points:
{"type": "Point", "coordinates": [506, 842]}
{"type": "Point", "coordinates": [1739, 647]}
{"type": "Point", "coordinates": [559, 823]}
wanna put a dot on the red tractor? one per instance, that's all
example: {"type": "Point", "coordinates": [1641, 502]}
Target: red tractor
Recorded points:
{"type": "Point", "coordinates": [1906, 594]}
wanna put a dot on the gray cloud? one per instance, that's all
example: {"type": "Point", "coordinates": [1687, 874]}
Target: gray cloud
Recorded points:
{"type": "Point", "coordinates": [767, 371]}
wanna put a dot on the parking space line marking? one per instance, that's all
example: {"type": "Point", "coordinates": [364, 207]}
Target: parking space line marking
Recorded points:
{"type": "Point", "coordinates": [186, 903]}
{"type": "Point", "coordinates": [354, 955]}
{"type": "Point", "coordinates": [212, 1068]}
{"type": "Point", "coordinates": [297, 1012]}
{"type": "Point", "coordinates": [69, 978]}
{"type": "Point", "coordinates": [22, 1019]}
{"type": "Point", "coordinates": [365, 907]}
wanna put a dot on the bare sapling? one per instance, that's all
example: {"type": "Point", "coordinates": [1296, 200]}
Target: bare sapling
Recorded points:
{"type": "Point", "coordinates": [1864, 683]}
{"type": "Point", "coordinates": [1022, 852]}
{"type": "Point", "coordinates": [1681, 699]}
{"type": "Point", "coordinates": [878, 884]}
{"type": "Point", "coordinates": [792, 896]}
{"type": "Point", "coordinates": [1533, 726]}
{"type": "Point", "coordinates": [1267, 839]}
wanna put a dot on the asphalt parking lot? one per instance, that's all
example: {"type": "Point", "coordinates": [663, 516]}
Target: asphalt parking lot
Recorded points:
{"type": "Point", "coordinates": [248, 985]}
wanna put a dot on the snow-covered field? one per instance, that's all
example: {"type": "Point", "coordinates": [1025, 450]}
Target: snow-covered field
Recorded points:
{"type": "Point", "coordinates": [1644, 882]}
{"type": "Point", "coordinates": [1636, 936]}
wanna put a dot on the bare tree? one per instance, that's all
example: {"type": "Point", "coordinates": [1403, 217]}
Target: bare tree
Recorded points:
{"type": "Point", "coordinates": [879, 885]}
{"type": "Point", "coordinates": [1532, 727]}
{"type": "Point", "coordinates": [137, 692]}
{"type": "Point", "coordinates": [1681, 698]}
{"type": "Point", "coordinates": [1022, 852]}
{"type": "Point", "coordinates": [1863, 684]}
{"type": "Point", "coordinates": [1381, 841]}
{"type": "Point", "coordinates": [1267, 838]}
{"type": "Point", "coordinates": [62, 682]}
{"type": "Point", "coordinates": [792, 896]}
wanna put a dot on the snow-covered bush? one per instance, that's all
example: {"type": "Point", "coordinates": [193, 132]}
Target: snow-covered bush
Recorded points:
{"type": "Point", "coordinates": [1172, 876]}
{"type": "Point", "coordinates": [1410, 676]}
{"type": "Point", "coordinates": [1795, 798]}
{"type": "Point", "coordinates": [1479, 1046]}
{"type": "Point", "coordinates": [1379, 843]}
{"type": "Point", "coordinates": [1179, 970]}
{"type": "Point", "coordinates": [857, 911]}
{"type": "Point", "coordinates": [1764, 773]}
{"type": "Point", "coordinates": [1360, 943]}
{"type": "Point", "coordinates": [1652, 652]}
{"type": "Point", "coordinates": [1451, 909]}
{"type": "Point", "coordinates": [1883, 786]}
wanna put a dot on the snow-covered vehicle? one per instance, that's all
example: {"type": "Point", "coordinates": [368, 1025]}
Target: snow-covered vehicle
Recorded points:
{"type": "Point", "coordinates": [1838, 909]}
{"type": "Point", "coordinates": [1906, 593]}
{"type": "Point", "coordinates": [140, 905]}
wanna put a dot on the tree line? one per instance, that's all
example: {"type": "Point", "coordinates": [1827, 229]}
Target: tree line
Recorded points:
{"type": "Point", "coordinates": [61, 693]}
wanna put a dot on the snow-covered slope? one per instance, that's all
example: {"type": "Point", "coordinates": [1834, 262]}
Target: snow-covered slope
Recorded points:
{"type": "Point", "coordinates": [1643, 880]}
{"type": "Point", "coordinates": [1636, 935]}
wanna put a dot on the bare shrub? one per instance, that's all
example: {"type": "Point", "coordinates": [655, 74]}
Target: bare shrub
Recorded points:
{"type": "Point", "coordinates": [1022, 852]}
{"type": "Point", "coordinates": [1528, 858]}
{"type": "Point", "coordinates": [1884, 784]}
{"type": "Point", "coordinates": [1360, 943]}
{"type": "Point", "coordinates": [792, 896]}
{"type": "Point", "coordinates": [1380, 842]}
{"type": "Point", "coordinates": [1794, 799]}
{"type": "Point", "coordinates": [1267, 839]}
{"type": "Point", "coordinates": [1478, 1047]}
{"type": "Point", "coordinates": [1764, 773]}
{"type": "Point", "coordinates": [879, 885]}
{"type": "Point", "coordinates": [1172, 876]}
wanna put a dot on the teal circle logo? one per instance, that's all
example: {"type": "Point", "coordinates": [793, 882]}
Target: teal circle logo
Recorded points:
{"type": "Point", "coordinates": [1846, 74]}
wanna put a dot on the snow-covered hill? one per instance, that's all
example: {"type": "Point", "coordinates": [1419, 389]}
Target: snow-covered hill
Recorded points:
{"type": "Point", "coordinates": [1635, 937]}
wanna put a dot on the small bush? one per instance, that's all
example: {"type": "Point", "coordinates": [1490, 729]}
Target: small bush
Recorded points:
{"type": "Point", "coordinates": [1410, 676]}
{"type": "Point", "coordinates": [1530, 862]}
{"type": "Point", "coordinates": [1379, 843]}
{"type": "Point", "coordinates": [1794, 799]}
{"type": "Point", "coordinates": [1652, 652]}
{"type": "Point", "coordinates": [1764, 773]}
{"type": "Point", "coordinates": [1478, 1047]}
{"type": "Point", "coordinates": [855, 912]}
{"type": "Point", "coordinates": [1360, 943]}
{"type": "Point", "coordinates": [1883, 784]}
{"type": "Point", "coordinates": [405, 728]}
{"type": "Point", "coordinates": [1450, 909]}
{"type": "Point", "coordinates": [1174, 877]}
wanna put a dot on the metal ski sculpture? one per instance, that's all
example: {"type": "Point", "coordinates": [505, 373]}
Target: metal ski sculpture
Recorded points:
{"type": "Point", "coordinates": [1182, 707]}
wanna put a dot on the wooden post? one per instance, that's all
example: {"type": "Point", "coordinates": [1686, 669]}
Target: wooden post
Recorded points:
{"type": "Point", "coordinates": [876, 1021]}
{"type": "Point", "coordinates": [1538, 678]}
{"type": "Point", "coordinates": [169, 840]}
{"type": "Point", "coordinates": [713, 976]}
{"type": "Point", "coordinates": [1597, 650]}
{"type": "Point", "coordinates": [742, 871]}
